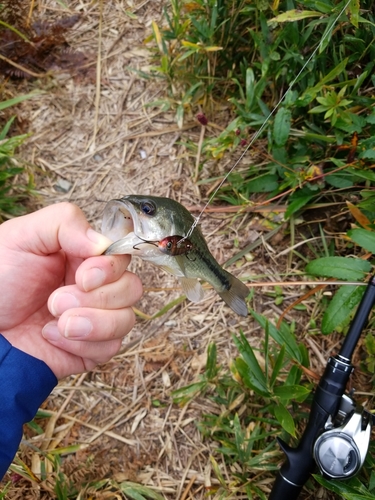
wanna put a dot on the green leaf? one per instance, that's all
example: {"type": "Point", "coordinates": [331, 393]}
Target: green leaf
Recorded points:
{"type": "Point", "coordinates": [12, 28]}
{"type": "Point", "coordinates": [369, 154]}
{"type": "Point", "coordinates": [294, 375]}
{"type": "Point", "coordinates": [371, 485]}
{"type": "Point", "coordinates": [263, 184]}
{"type": "Point", "coordinates": [16, 100]}
{"type": "Point", "coordinates": [285, 419]}
{"type": "Point", "coordinates": [239, 438]}
{"type": "Point", "coordinates": [370, 347]}
{"type": "Point", "coordinates": [348, 490]}
{"type": "Point", "coordinates": [298, 200]}
{"type": "Point", "coordinates": [211, 366]}
{"type": "Point", "coordinates": [278, 365]}
{"type": "Point", "coordinates": [139, 492]}
{"type": "Point", "coordinates": [363, 174]}
{"type": "Point", "coordinates": [304, 354]}
{"type": "Point", "coordinates": [345, 268]}
{"type": "Point", "coordinates": [281, 126]}
{"type": "Point", "coordinates": [185, 394]}
{"type": "Point", "coordinates": [217, 471]}
{"type": "Point", "coordinates": [180, 115]}
{"type": "Point", "coordinates": [341, 307]}
{"type": "Point", "coordinates": [311, 92]}
{"type": "Point", "coordinates": [327, 35]}
{"type": "Point", "coordinates": [371, 118]}
{"type": "Point", "coordinates": [6, 128]}
{"type": "Point", "coordinates": [288, 392]}
{"type": "Point", "coordinates": [35, 427]}
{"type": "Point", "coordinates": [282, 336]}
{"type": "Point", "coordinates": [353, 12]}
{"type": "Point", "coordinates": [248, 367]}
{"type": "Point", "coordinates": [363, 238]}
{"type": "Point", "coordinates": [294, 15]}
{"type": "Point", "coordinates": [338, 181]}
{"type": "Point", "coordinates": [250, 87]}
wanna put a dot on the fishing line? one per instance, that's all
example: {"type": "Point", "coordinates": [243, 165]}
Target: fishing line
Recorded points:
{"type": "Point", "coordinates": [263, 126]}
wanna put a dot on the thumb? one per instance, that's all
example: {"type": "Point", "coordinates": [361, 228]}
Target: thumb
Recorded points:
{"type": "Point", "coordinates": [61, 226]}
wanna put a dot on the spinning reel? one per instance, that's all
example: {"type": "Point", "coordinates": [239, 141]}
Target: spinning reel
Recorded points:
{"type": "Point", "coordinates": [337, 436]}
{"type": "Point", "coordinates": [341, 449]}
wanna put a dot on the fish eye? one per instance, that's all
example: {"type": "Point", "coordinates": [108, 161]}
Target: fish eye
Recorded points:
{"type": "Point", "coordinates": [169, 245]}
{"type": "Point", "coordinates": [148, 207]}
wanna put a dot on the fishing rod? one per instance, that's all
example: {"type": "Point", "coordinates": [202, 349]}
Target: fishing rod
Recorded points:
{"type": "Point", "coordinates": [337, 435]}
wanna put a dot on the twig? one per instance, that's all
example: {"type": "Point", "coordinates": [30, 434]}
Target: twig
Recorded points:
{"type": "Point", "coordinates": [30, 13]}
{"type": "Point", "coordinates": [98, 74]}
{"type": "Point", "coordinates": [198, 158]}
{"type": "Point", "coordinates": [188, 487]}
{"type": "Point", "coordinates": [22, 68]}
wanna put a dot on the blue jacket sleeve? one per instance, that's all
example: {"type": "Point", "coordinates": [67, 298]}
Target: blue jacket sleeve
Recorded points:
{"type": "Point", "coordinates": [25, 382]}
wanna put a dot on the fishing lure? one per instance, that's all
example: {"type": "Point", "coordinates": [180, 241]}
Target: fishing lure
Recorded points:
{"type": "Point", "coordinates": [170, 245]}
{"type": "Point", "coordinates": [175, 245]}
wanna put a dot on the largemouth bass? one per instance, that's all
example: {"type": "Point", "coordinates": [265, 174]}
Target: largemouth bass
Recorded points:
{"type": "Point", "coordinates": [155, 229]}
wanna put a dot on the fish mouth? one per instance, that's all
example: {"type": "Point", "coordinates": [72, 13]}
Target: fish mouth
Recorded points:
{"type": "Point", "coordinates": [118, 220]}
{"type": "Point", "coordinates": [122, 225]}
{"type": "Point", "coordinates": [118, 226]}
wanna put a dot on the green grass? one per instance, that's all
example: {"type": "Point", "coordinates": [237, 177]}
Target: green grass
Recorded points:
{"type": "Point", "coordinates": [13, 188]}
{"type": "Point", "coordinates": [245, 56]}
{"type": "Point", "coordinates": [15, 182]}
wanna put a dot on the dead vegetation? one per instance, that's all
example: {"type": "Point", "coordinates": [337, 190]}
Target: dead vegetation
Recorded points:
{"type": "Point", "coordinates": [32, 47]}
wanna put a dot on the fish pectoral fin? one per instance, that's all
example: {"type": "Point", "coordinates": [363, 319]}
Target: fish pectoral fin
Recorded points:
{"type": "Point", "coordinates": [192, 288]}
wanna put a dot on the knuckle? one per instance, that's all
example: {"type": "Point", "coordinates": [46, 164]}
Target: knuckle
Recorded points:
{"type": "Point", "coordinates": [69, 209]}
{"type": "Point", "coordinates": [111, 349]}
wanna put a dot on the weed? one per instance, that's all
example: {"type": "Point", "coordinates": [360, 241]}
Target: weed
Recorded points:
{"type": "Point", "coordinates": [12, 192]}
{"type": "Point", "coordinates": [258, 395]}
{"type": "Point", "coordinates": [340, 309]}
{"type": "Point", "coordinates": [248, 55]}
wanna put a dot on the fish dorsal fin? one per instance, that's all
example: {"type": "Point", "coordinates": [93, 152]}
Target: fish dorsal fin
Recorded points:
{"type": "Point", "coordinates": [192, 288]}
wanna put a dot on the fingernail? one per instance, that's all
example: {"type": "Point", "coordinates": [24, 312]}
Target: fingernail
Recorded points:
{"type": "Point", "coordinates": [63, 301]}
{"type": "Point", "coordinates": [51, 332]}
{"type": "Point", "coordinates": [93, 278]}
{"type": "Point", "coordinates": [77, 327]}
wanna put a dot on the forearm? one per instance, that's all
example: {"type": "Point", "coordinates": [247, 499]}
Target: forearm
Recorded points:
{"type": "Point", "coordinates": [25, 382]}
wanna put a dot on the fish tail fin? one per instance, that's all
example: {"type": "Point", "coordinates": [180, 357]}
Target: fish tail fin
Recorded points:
{"type": "Point", "coordinates": [235, 295]}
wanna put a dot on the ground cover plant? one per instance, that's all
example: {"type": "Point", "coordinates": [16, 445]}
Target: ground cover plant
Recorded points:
{"type": "Point", "coordinates": [320, 148]}
{"type": "Point", "coordinates": [320, 140]}
{"type": "Point", "coordinates": [16, 184]}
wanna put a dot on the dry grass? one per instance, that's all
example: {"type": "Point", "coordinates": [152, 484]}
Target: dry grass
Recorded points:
{"type": "Point", "coordinates": [101, 138]}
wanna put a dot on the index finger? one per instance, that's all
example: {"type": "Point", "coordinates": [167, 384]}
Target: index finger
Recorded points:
{"type": "Point", "coordinates": [97, 271]}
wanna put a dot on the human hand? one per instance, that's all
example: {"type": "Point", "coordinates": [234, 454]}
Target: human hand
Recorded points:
{"type": "Point", "coordinates": [62, 301]}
